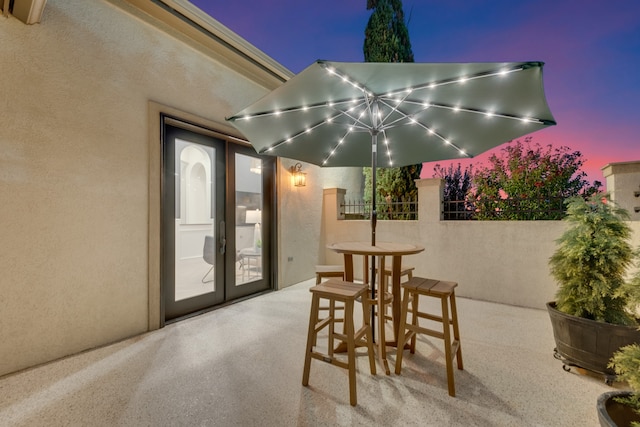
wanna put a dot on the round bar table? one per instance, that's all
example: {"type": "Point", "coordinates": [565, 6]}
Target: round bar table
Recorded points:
{"type": "Point", "coordinates": [381, 250]}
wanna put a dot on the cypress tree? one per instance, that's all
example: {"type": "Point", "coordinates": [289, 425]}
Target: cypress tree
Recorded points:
{"type": "Point", "coordinates": [387, 40]}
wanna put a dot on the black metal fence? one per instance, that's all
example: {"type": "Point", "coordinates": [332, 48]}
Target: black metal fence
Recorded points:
{"type": "Point", "coordinates": [511, 209]}
{"type": "Point", "coordinates": [404, 209]}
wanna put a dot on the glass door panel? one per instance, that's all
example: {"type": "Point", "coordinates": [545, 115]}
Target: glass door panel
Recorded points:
{"type": "Point", "coordinates": [251, 189]}
{"type": "Point", "coordinates": [192, 220]}
{"type": "Point", "coordinates": [195, 231]}
{"type": "Point", "coordinates": [248, 201]}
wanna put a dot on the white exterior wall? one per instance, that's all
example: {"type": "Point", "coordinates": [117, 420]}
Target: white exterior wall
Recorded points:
{"type": "Point", "coordinates": [75, 168]}
{"type": "Point", "coordinates": [301, 224]}
{"type": "Point", "coordinates": [80, 170]}
{"type": "Point", "coordinates": [499, 261]}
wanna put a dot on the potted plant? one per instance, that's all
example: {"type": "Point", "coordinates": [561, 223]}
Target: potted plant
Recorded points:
{"type": "Point", "coordinates": [622, 408]}
{"type": "Point", "coordinates": [594, 313]}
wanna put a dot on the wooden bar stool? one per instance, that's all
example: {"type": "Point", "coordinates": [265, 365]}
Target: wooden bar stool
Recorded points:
{"type": "Point", "coordinates": [336, 290]}
{"type": "Point", "coordinates": [328, 271]}
{"type": "Point", "coordinates": [413, 289]}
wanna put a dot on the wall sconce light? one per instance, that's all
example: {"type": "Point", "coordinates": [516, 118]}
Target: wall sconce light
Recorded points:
{"type": "Point", "coordinates": [299, 177]}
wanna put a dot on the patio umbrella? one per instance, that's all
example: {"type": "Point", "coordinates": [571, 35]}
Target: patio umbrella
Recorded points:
{"type": "Point", "coordinates": [396, 114]}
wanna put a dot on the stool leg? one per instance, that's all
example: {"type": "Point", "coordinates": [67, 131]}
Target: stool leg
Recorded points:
{"type": "Point", "coordinates": [402, 331]}
{"type": "Point", "coordinates": [456, 331]}
{"type": "Point", "coordinates": [332, 312]}
{"type": "Point", "coordinates": [311, 338]}
{"type": "Point", "coordinates": [351, 351]}
{"type": "Point", "coordinates": [447, 346]}
{"type": "Point", "coordinates": [415, 305]}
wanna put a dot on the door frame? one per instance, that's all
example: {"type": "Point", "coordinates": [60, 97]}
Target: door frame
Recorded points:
{"type": "Point", "coordinates": [156, 114]}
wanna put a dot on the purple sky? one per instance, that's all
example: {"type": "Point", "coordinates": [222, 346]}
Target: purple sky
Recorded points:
{"type": "Point", "coordinates": [591, 49]}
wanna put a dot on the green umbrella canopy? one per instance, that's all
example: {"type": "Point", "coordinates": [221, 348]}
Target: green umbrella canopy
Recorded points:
{"type": "Point", "coordinates": [337, 114]}
{"type": "Point", "coordinates": [396, 114]}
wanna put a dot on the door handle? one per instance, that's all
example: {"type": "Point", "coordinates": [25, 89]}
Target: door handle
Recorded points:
{"type": "Point", "coordinates": [223, 237]}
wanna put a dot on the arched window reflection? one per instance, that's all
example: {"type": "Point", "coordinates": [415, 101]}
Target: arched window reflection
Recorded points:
{"type": "Point", "coordinates": [195, 185]}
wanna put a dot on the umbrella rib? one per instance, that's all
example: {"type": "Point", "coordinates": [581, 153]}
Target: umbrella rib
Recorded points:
{"type": "Point", "coordinates": [413, 121]}
{"type": "Point", "coordinates": [404, 116]}
{"type": "Point", "coordinates": [486, 113]}
{"type": "Point", "coordinates": [294, 136]}
{"type": "Point", "coordinates": [481, 75]}
{"type": "Point", "coordinates": [335, 147]}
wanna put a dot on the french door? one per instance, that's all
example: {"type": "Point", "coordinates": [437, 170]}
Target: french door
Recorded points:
{"type": "Point", "coordinates": [216, 216]}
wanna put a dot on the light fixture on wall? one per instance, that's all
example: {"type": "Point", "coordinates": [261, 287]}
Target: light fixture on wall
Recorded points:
{"type": "Point", "coordinates": [256, 166]}
{"type": "Point", "coordinates": [299, 177]}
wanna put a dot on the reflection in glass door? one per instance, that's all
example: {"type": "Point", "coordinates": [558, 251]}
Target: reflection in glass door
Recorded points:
{"type": "Point", "coordinates": [192, 221]}
{"type": "Point", "coordinates": [195, 231]}
{"type": "Point", "coordinates": [248, 178]}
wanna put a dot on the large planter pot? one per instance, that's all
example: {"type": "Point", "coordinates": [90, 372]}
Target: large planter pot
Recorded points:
{"type": "Point", "coordinates": [614, 414]}
{"type": "Point", "coordinates": [588, 344]}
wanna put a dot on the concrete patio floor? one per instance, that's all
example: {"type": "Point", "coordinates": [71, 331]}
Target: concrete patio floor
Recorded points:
{"type": "Point", "coordinates": [241, 365]}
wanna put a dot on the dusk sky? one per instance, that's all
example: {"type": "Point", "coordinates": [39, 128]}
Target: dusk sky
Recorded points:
{"type": "Point", "coordinates": [591, 50]}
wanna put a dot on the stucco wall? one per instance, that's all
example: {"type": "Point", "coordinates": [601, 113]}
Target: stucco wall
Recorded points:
{"type": "Point", "coordinates": [74, 169]}
{"type": "Point", "coordinates": [500, 261]}
{"type": "Point", "coordinates": [301, 217]}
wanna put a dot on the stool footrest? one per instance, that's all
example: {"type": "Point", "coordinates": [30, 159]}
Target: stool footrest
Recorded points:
{"type": "Point", "coordinates": [322, 324]}
{"type": "Point", "coordinates": [428, 316]}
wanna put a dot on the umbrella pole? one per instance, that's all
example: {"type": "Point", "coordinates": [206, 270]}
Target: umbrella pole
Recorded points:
{"type": "Point", "coordinates": [374, 218]}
